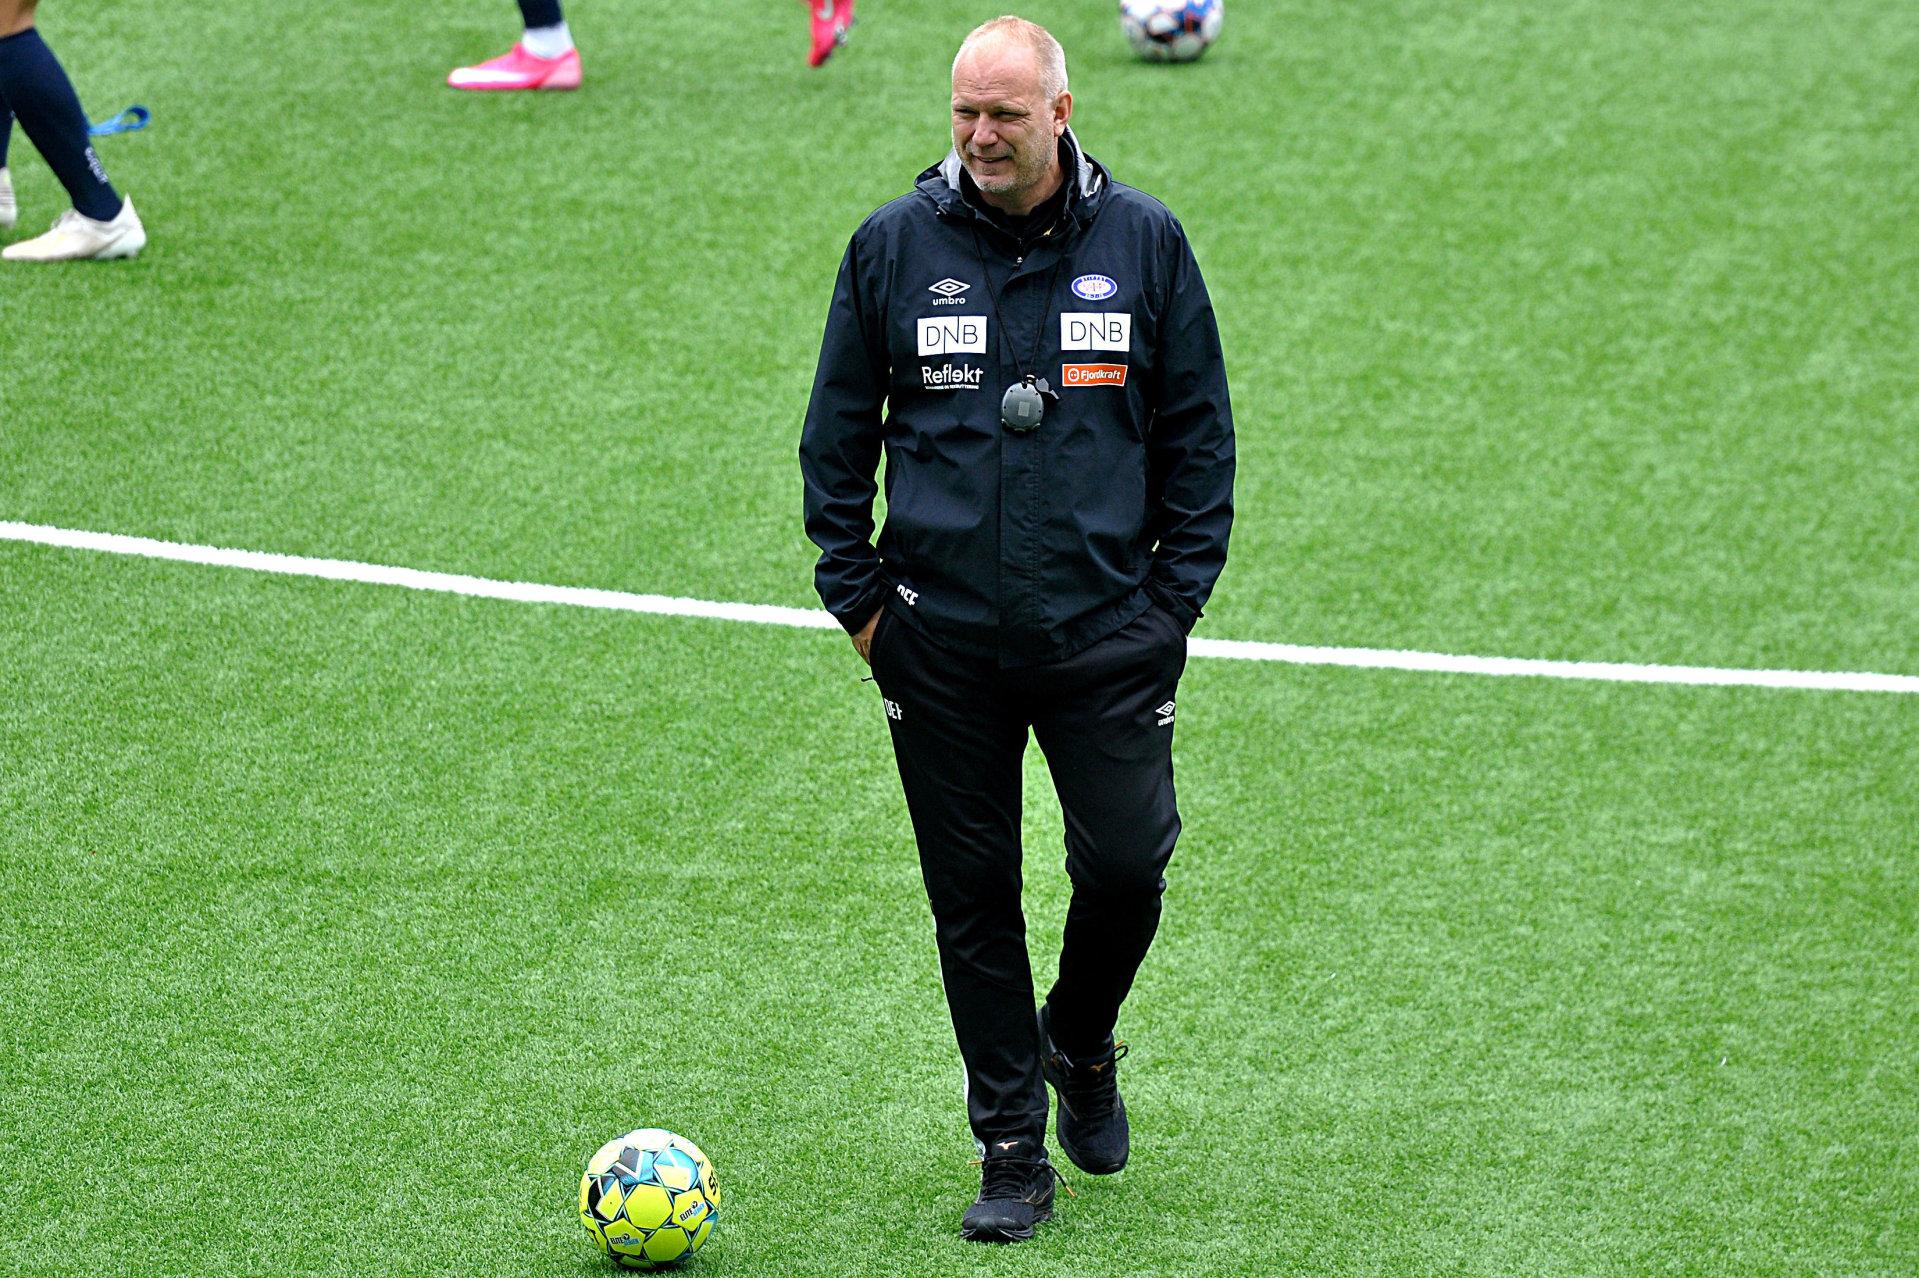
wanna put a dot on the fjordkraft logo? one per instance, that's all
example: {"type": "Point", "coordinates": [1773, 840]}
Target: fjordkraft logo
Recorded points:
{"type": "Point", "coordinates": [953, 335]}
{"type": "Point", "coordinates": [945, 377]}
{"type": "Point", "coordinates": [1092, 375]}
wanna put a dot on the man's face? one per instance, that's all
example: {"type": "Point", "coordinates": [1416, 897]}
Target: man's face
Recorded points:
{"type": "Point", "coordinates": [1005, 129]}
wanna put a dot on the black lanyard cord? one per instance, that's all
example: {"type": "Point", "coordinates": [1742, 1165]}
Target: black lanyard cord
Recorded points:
{"type": "Point", "coordinates": [1039, 337]}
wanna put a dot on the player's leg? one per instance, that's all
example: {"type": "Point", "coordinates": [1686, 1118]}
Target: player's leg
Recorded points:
{"type": "Point", "coordinates": [831, 20]}
{"type": "Point", "coordinates": [1104, 720]}
{"type": "Point", "coordinates": [35, 87]}
{"type": "Point", "coordinates": [30, 72]}
{"type": "Point", "coordinates": [544, 58]}
{"type": "Point", "coordinates": [546, 34]}
{"type": "Point", "coordinates": [9, 211]}
{"type": "Point", "coordinates": [959, 748]}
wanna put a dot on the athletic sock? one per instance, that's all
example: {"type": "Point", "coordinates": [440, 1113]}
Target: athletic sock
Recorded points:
{"type": "Point", "coordinates": [541, 13]}
{"type": "Point", "coordinates": [38, 91]}
{"type": "Point", "coordinates": [548, 42]}
{"type": "Point", "coordinates": [6, 132]}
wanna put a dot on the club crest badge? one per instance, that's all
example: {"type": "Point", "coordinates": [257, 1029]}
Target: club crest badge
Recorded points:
{"type": "Point", "coordinates": [1094, 288]}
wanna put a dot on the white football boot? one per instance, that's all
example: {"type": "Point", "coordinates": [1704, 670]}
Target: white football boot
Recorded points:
{"type": "Point", "coordinates": [9, 211]}
{"type": "Point", "coordinates": [76, 237]}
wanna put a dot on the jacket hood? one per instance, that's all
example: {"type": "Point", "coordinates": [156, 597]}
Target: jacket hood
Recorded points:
{"type": "Point", "coordinates": [1091, 181]}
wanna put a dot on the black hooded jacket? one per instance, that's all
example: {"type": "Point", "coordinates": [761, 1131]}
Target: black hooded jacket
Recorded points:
{"type": "Point", "coordinates": [1020, 547]}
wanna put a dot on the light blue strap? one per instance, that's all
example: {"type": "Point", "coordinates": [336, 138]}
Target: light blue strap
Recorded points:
{"type": "Point", "coordinates": [131, 120]}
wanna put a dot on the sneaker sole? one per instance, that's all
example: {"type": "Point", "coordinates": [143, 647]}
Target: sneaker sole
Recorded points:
{"type": "Point", "coordinates": [514, 88]}
{"type": "Point", "coordinates": [559, 82]}
{"type": "Point", "coordinates": [122, 251]}
{"type": "Point", "coordinates": [116, 253]}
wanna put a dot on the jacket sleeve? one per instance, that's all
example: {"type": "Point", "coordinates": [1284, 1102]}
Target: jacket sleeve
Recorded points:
{"type": "Point", "coordinates": [840, 448]}
{"type": "Point", "coordinates": [1190, 454]}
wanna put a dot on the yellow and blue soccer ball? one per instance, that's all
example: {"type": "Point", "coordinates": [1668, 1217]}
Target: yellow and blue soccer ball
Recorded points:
{"type": "Point", "coordinates": [649, 1199]}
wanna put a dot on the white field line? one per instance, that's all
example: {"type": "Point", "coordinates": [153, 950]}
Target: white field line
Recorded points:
{"type": "Point", "coordinates": [813, 619]}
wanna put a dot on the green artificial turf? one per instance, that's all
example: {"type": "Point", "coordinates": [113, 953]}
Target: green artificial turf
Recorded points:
{"type": "Point", "coordinates": [340, 924]}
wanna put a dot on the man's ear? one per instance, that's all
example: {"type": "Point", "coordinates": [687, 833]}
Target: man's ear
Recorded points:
{"type": "Point", "coordinates": [1062, 112]}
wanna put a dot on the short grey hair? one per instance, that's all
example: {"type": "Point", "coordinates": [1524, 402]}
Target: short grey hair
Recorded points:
{"type": "Point", "coordinates": [1046, 50]}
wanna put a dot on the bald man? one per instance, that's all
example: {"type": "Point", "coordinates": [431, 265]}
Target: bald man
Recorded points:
{"type": "Point", "coordinates": [1031, 346]}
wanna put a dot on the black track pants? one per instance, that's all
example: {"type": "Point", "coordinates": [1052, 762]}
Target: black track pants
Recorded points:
{"type": "Point", "coordinates": [1104, 719]}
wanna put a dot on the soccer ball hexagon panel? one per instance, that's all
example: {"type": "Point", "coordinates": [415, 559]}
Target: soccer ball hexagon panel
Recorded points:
{"type": "Point", "coordinates": [1171, 30]}
{"type": "Point", "coordinates": [649, 1198]}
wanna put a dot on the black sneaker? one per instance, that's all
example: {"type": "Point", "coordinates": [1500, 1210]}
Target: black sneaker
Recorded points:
{"type": "Point", "coordinates": [1015, 1195]}
{"type": "Point", "coordinates": [1092, 1126]}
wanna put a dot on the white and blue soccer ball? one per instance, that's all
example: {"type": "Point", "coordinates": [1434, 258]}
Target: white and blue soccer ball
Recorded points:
{"type": "Point", "coordinates": [1170, 30]}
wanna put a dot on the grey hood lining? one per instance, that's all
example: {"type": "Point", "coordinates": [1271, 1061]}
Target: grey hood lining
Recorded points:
{"type": "Point", "coordinates": [1087, 177]}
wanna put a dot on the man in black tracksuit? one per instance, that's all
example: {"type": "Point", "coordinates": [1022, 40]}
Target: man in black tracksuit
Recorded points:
{"type": "Point", "coordinates": [1030, 345]}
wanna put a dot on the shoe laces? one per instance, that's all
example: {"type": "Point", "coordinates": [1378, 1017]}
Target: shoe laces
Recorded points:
{"type": "Point", "coordinates": [1092, 1091]}
{"type": "Point", "coordinates": [1005, 1177]}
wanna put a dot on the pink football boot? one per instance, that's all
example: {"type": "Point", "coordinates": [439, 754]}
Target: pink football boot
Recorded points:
{"type": "Point", "coordinates": [519, 69]}
{"type": "Point", "coordinates": [831, 21]}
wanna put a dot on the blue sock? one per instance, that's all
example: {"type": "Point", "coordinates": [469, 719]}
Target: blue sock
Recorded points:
{"type": "Point", "coordinates": [6, 131]}
{"type": "Point", "coordinates": [39, 92]}
{"type": "Point", "coordinates": [541, 13]}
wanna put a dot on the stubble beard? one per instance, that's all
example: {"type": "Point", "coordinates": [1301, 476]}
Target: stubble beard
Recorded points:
{"type": "Point", "coordinates": [1028, 170]}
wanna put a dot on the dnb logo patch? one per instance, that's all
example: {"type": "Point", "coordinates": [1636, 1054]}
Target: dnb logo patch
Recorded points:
{"type": "Point", "coordinates": [1094, 288]}
{"type": "Point", "coordinates": [1095, 331]}
{"type": "Point", "coordinates": [953, 335]}
{"type": "Point", "coordinates": [1092, 375]}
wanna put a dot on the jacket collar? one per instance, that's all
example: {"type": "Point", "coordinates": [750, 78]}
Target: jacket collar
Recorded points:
{"type": "Point", "coordinates": [1087, 179]}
